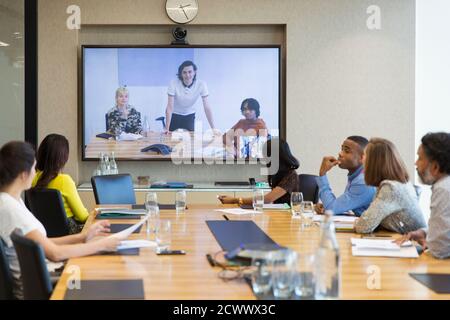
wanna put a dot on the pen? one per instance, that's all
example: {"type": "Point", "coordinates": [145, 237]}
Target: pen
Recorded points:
{"type": "Point", "coordinates": [225, 217]}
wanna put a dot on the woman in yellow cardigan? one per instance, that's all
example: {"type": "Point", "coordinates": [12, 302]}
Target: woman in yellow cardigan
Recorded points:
{"type": "Point", "coordinates": [52, 156]}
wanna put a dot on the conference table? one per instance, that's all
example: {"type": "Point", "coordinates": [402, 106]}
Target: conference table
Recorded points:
{"type": "Point", "coordinates": [186, 145]}
{"type": "Point", "coordinates": [191, 277]}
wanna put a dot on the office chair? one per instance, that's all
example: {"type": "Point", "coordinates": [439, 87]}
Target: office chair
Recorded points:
{"type": "Point", "coordinates": [113, 189]}
{"type": "Point", "coordinates": [6, 279]}
{"type": "Point", "coordinates": [47, 206]}
{"type": "Point", "coordinates": [163, 121]}
{"type": "Point", "coordinates": [308, 186]}
{"type": "Point", "coordinates": [33, 269]}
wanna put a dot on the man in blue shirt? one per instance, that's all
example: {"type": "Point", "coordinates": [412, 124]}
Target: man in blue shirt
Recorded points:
{"type": "Point", "coordinates": [357, 196]}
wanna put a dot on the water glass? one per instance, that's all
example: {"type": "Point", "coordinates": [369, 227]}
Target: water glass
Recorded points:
{"type": "Point", "coordinates": [180, 201]}
{"type": "Point", "coordinates": [151, 202]}
{"type": "Point", "coordinates": [258, 200]}
{"type": "Point", "coordinates": [163, 234]}
{"type": "Point", "coordinates": [261, 276]}
{"type": "Point", "coordinates": [305, 281]}
{"type": "Point", "coordinates": [307, 213]}
{"type": "Point", "coordinates": [296, 203]}
{"type": "Point", "coordinates": [284, 273]}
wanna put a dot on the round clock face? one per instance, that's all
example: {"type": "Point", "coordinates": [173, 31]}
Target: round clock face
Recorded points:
{"type": "Point", "coordinates": [182, 11]}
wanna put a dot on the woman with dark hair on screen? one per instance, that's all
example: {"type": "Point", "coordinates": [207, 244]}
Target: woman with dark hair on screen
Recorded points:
{"type": "Point", "coordinates": [183, 93]}
{"type": "Point", "coordinates": [252, 125]}
{"type": "Point", "coordinates": [52, 156]}
{"type": "Point", "coordinates": [17, 170]}
{"type": "Point", "coordinates": [283, 182]}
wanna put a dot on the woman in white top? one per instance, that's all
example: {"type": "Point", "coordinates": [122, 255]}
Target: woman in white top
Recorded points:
{"type": "Point", "coordinates": [17, 170]}
{"type": "Point", "coordinates": [183, 93]}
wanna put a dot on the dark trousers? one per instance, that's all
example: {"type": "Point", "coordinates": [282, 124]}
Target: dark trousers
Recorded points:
{"type": "Point", "coordinates": [182, 122]}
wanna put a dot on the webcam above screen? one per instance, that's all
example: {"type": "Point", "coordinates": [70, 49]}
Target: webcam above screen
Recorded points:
{"type": "Point", "coordinates": [209, 102]}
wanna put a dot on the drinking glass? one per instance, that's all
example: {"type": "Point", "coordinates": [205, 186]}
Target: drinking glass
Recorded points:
{"type": "Point", "coordinates": [258, 200]}
{"type": "Point", "coordinates": [305, 281]}
{"type": "Point", "coordinates": [151, 205]}
{"type": "Point", "coordinates": [307, 213]}
{"type": "Point", "coordinates": [283, 274]}
{"type": "Point", "coordinates": [163, 235]}
{"type": "Point", "coordinates": [261, 275]}
{"type": "Point", "coordinates": [296, 203]}
{"type": "Point", "coordinates": [180, 201]}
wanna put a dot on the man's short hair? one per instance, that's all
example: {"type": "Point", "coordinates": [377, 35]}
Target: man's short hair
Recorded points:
{"type": "Point", "coordinates": [437, 148]}
{"type": "Point", "coordinates": [361, 141]}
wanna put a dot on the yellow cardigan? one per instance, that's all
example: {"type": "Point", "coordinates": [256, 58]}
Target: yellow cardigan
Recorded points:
{"type": "Point", "coordinates": [72, 203]}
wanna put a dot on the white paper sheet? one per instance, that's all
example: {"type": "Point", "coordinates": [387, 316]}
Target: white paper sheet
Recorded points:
{"type": "Point", "coordinates": [124, 211]}
{"type": "Point", "coordinates": [382, 248]}
{"type": "Point", "coordinates": [237, 211]}
{"type": "Point", "coordinates": [341, 219]}
{"type": "Point", "coordinates": [128, 231]}
{"type": "Point", "coordinates": [132, 244]}
{"type": "Point", "coordinates": [276, 206]}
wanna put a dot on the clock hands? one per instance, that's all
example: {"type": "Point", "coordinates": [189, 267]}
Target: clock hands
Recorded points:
{"type": "Point", "coordinates": [184, 11]}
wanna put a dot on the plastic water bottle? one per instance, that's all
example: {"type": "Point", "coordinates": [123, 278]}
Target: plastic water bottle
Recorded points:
{"type": "Point", "coordinates": [328, 273]}
{"type": "Point", "coordinates": [107, 165]}
{"type": "Point", "coordinates": [102, 164]}
{"type": "Point", "coordinates": [146, 127]}
{"type": "Point", "coordinates": [113, 165]}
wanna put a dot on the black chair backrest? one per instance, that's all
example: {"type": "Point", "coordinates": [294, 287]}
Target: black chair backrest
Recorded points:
{"type": "Point", "coordinates": [48, 207]}
{"type": "Point", "coordinates": [113, 189]}
{"type": "Point", "coordinates": [33, 269]}
{"type": "Point", "coordinates": [309, 187]}
{"type": "Point", "coordinates": [6, 279]}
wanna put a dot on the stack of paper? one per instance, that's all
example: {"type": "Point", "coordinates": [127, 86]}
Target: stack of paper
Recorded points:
{"type": "Point", "coordinates": [132, 244]}
{"type": "Point", "coordinates": [276, 206]}
{"type": "Point", "coordinates": [336, 219]}
{"type": "Point", "coordinates": [121, 211]}
{"type": "Point", "coordinates": [237, 211]}
{"type": "Point", "coordinates": [382, 248]}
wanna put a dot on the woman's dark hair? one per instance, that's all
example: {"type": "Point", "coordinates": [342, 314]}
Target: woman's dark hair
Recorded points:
{"type": "Point", "coordinates": [437, 148]}
{"type": "Point", "coordinates": [185, 64]}
{"type": "Point", "coordinates": [16, 157]}
{"type": "Point", "coordinates": [287, 161]}
{"type": "Point", "coordinates": [52, 155]}
{"type": "Point", "coordinates": [252, 104]}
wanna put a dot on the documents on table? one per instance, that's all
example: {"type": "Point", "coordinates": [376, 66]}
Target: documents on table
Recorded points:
{"type": "Point", "coordinates": [382, 248]}
{"type": "Point", "coordinates": [237, 211]}
{"type": "Point", "coordinates": [276, 206]}
{"type": "Point", "coordinates": [336, 219]}
{"type": "Point", "coordinates": [132, 244]}
{"type": "Point", "coordinates": [121, 211]}
{"type": "Point", "coordinates": [128, 231]}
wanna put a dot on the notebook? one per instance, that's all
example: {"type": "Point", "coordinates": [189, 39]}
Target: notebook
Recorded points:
{"type": "Point", "coordinates": [232, 234]}
{"type": "Point", "coordinates": [107, 290]}
{"type": "Point", "coordinates": [438, 282]}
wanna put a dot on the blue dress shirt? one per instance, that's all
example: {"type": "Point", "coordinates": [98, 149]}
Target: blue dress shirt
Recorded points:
{"type": "Point", "coordinates": [357, 196]}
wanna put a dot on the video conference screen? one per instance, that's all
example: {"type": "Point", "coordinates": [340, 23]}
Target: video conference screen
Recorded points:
{"type": "Point", "coordinates": [167, 103]}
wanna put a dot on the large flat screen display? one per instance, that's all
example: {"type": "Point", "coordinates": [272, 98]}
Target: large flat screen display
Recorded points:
{"type": "Point", "coordinates": [162, 103]}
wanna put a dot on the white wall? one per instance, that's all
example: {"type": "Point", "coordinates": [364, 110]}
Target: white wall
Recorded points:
{"type": "Point", "coordinates": [432, 73]}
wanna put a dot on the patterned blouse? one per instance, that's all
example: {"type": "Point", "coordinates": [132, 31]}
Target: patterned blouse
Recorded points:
{"type": "Point", "coordinates": [117, 124]}
{"type": "Point", "coordinates": [289, 183]}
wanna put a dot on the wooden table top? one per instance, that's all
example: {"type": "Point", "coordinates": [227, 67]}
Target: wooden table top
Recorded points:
{"type": "Point", "coordinates": [191, 146]}
{"type": "Point", "coordinates": [192, 277]}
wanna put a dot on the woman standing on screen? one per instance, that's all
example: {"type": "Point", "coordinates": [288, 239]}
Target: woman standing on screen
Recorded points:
{"type": "Point", "coordinates": [183, 93]}
{"type": "Point", "coordinates": [123, 117]}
